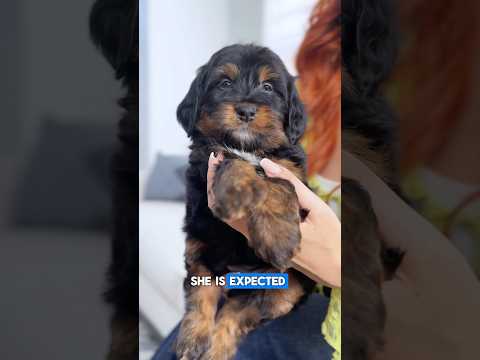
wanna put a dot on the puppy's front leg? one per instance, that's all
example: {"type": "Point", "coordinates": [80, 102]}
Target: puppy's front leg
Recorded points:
{"type": "Point", "coordinates": [274, 224]}
{"type": "Point", "coordinates": [237, 189]}
{"type": "Point", "coordinates": [362, 279]}
{"type": "Point", "coordinates": [270, 207]}
{"type": "Point", "coordinates": [201, 305]}
{"type": "Point", "coordinates": [243, 313]}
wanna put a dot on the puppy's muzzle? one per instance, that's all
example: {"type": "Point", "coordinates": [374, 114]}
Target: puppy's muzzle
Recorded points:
{"type": "Point", "coordinates": [246, 112]}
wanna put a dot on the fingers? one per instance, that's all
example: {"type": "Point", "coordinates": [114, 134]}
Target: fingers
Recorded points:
{"type": "Point", "coordinates": [307, 199]}
{"type": "Point", "coordinates": [213, 162]}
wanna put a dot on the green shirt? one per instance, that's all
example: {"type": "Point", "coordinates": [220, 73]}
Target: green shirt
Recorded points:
{"type": "Point", "coordinates": [330, 192]}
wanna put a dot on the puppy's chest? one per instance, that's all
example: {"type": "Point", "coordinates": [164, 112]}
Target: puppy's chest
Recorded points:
{"type": "Point", "coordinates": [227, 250]}
{"type": "Point", "coordinates": [253, 158]}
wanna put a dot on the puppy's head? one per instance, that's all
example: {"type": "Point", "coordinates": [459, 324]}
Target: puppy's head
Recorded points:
{"type": "Point", "coordinates": [244, 98]}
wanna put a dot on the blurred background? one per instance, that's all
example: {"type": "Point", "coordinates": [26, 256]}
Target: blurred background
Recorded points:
{"type": "Point", "coordinates": [58, 127]}
{"type": "Point", "coordinates": [59, 115]}
{"type": "Point", "coordinates": [176, 38]}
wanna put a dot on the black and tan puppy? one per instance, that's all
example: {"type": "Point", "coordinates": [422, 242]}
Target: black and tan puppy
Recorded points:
{"type": "Point", "coordinates": [368, 131]}
{"type": "Point", "coordinates": [243, 102]}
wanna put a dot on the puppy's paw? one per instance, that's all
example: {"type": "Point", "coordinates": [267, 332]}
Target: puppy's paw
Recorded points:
{"type": "Point", "coordinates": [223, 347]}
{"type": "Point", "coordinates": [235, 197]}
{"type": "Point", "coordinates": [192, 343]}
{"type": "Point", "coordinates": [274, 227]}
{"type": "Point", "coordinates": [276, 241]}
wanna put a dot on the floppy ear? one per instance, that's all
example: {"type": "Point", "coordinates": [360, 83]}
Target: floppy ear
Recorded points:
{"type": "Point", "coordinates": [297, 119]}
{"type": "Point", "coordinates": [114, 29]}
{"type": "Point", "coordinates": [189, 109]}
{"type": "Point", "coordinates": [369, 42]}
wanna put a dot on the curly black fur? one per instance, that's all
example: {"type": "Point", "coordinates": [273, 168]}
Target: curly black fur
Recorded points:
{"type": "Point", "coordinates": [369, 42]}
{"type": "Point", "coordinates": [114, 30]}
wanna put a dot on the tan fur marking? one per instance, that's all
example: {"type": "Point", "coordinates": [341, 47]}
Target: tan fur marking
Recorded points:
{"type": "Point", "coordinates": [265, 73]}
{"type": "Point", "coordinates": [268, 123]}
{"type": "Point", "coordinates": [208, 126]}
{"type": "Point", "coordinates": [204, 301]}
{"type": "Point", "coordinates": [230, 70]}
{"type": "Point", "coordinates": [235, 320]}
{"type": "Point", "coordinates": [192, 249]}
{"type": "Point", "coordinates": [199, 320]}
{"type": "Point", "coordinates": [282, 301]}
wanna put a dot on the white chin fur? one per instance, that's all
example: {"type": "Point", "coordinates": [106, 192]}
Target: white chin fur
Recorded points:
{"type": "Point", "coordinates": [245, 155]}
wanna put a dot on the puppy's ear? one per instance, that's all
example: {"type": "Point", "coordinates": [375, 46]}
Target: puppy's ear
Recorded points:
{"type": "Point", "coordinates": [189, 109]}
{"type": "Point", "coordinates": [297, 118]}
{"type": "Point", "coordinates": [114, 29]}
{"type": "Point", "coordinates": [369, 42]}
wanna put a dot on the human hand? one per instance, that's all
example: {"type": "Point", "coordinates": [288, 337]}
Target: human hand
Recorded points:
{"type": "Point", "coordinates": [320, 251]}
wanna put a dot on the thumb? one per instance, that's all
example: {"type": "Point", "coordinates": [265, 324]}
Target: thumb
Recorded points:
{"type": "Point", "coordinates": [213, 162]}
{"type": "Point", "coordinates": [308, 199]}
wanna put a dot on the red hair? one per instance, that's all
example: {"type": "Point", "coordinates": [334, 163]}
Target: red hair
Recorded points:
{"type": "Point", "coordinates": [431, 83]}
{"type": "Point", "coordinates": [319, 66]}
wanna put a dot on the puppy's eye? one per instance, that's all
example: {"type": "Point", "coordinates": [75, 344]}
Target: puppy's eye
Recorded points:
{"type": "Point", "coordinates": [267, 86]}
{"type": "Point", "coordinates": [225, 83]}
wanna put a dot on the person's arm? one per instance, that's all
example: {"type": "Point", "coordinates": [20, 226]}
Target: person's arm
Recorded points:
{"type": "Point", "coordinates": [433, 301]}
{"type": "Point", "coordinates": [320, 249]}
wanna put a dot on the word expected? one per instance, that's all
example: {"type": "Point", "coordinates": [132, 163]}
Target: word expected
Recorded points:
{"type": "Point", "coordinates": [257, 281]}
{"type": "Point", "coordinates": [244, 281]}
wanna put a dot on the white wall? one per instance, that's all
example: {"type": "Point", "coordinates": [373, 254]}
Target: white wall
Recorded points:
{"type": "Point", "coordinates": [284, 25]}
{"type": "Point", "coordinates": [178, 36]}
{"type": "Point", "coordinates": [53, 280]}
{"type": "Point", "coordinates": [181, 35]}
{"type": "Point", "coordinates": [53, 45]}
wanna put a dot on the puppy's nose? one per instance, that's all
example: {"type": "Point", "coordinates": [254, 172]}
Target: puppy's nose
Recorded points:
{"type": "Point", "coordinates": [246, 112]}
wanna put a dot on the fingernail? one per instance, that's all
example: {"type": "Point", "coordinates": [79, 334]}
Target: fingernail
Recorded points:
{"type": "Point", "coordinates": [212, 155]}
{"type": "Point", "coordinates": [270, 167]}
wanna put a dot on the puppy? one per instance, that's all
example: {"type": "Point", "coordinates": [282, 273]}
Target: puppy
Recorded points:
{"type": "Point", "coordinates": [243, 102]}
{"type": "Point", "coordinates": [368, 53]}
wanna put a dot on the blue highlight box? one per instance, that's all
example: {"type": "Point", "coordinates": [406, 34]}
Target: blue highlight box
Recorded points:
{"type": "Point", "coordinates": [256, 281]}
